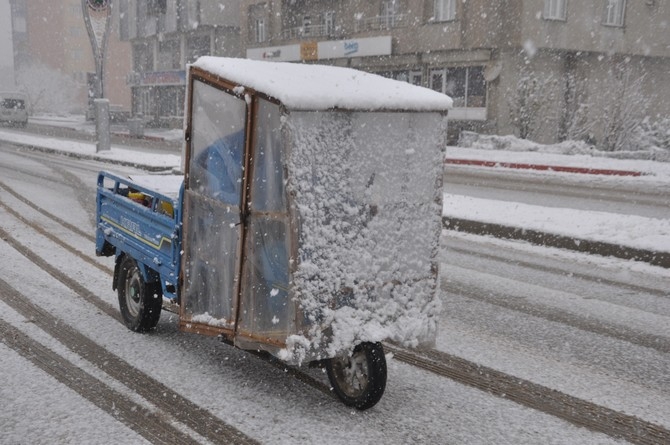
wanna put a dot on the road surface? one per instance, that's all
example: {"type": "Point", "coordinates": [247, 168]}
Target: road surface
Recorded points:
{"type": "Point", "coordinates": [536, 346]}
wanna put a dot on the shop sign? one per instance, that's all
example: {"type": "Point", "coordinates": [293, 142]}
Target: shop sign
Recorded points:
{"type": "Point", "coordinates": [333, 49]}
{"type": "Point", "coordinates": [164, 78]}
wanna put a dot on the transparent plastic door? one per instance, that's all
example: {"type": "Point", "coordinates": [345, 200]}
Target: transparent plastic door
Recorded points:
{"type": "Point", "coordinates": [266, 309]}
{"type": "Point", "coordinates": [212, 207]}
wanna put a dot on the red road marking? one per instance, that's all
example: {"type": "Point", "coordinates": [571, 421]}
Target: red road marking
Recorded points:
{"type": "Point", "coordinates": [588, 171]}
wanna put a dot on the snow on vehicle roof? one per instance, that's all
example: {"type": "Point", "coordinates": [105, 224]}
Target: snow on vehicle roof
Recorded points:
{"type": "Point", "coordinates": [321, 87]}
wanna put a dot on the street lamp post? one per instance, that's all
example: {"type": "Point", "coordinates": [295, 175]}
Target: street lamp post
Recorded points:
{"type": "Point", "coordinates": [97, 17]}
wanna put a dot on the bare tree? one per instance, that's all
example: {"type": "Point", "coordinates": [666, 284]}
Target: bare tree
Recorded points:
{"type": "Point", "coordinates": [652, 134]}
{"type": "Point", "coordinates": [48, 89]}
{"type": "Point", "coordinates": [576, 122]}
{"type": "Point", "coordinates": [622, 117]}
{"type": "Point", "coordinates": [530, 103]}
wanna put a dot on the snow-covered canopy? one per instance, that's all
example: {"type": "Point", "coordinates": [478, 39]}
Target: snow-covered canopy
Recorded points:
{"type": "Point", "coordinates": [320, 87]}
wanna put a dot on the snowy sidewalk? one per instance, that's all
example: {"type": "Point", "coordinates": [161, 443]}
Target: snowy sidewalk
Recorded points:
{"type": "Point", "coordinates": [609, 234]}
{"type": "Point", "coordinates": [623, 236]}
{"type": "Point", "coordinates": [508, 158]}
{"type": "Point", "coordinates": [87, 150]}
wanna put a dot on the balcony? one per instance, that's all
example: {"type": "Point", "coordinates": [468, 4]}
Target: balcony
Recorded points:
{"type": "Point", "coordinates": [381, 22]}
{"type": "Point", "coordinates": [302, 32]}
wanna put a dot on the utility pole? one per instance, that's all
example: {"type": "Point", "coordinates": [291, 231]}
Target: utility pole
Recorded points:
{"type": "Point", "coordinates": [97, 17]}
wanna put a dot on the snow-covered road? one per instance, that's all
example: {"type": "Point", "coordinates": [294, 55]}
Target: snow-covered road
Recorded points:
{"type": "Point", "coordinates": [592, 328]}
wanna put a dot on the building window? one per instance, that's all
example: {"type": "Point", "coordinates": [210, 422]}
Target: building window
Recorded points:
{"type": "Point", "coordinates": [412, 76]}
{"type": "Point", "coordinates": [169, 55]}
{"type": "Point", "coordinates": [188, 14]}
{"type": "Point", "coordinates": [143, 57]}
{"type": "Point", "coordinates": [170, 101]}
{"type": "Point", "coordinates": [388, 14]}
{"type": "Point", "coordinates": [444, 10]}
{"type": "Point", "coordinates": [196, 46]}
{"type": "Point", "coordinates": [257, 23]}
{"type": "Point", "coordinates": [259, 30]}
{"type": "Point", "coordinates": [465, 85]}
{"type": "Point", "coordinates": [306, 25]}
{"type": "Point", "coordinates": [614, 12]}
{"type": "Point", "coordinates": [554, 9]}
{"type": "Point", "coordinates": [156, 7]}
{"type": "Point", "coordinates": [328, 22]}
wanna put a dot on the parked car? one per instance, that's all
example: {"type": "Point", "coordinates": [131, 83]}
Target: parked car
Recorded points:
{"type": "Point", "coordinates": [13, 108]}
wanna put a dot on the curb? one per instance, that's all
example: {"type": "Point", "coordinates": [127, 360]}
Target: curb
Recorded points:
{"type": "Point", "coordinates": [117, 136]}
{"type": "Point", "coordinates": [149, 168]}
{"type": "Point", "coordinates": [541, 167]}
{"type": "Point", "coordinates": [661, 259]}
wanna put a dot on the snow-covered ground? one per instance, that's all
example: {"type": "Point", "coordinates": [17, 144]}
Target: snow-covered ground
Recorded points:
{"type": "Point", "coordinates": [626, 230]}
{"type": "Point", "coordinates": [271, 407]}
{"type": "Point", "coordinates": [79, 123]}
{"type": "Point", "coordinates": [87, 150]}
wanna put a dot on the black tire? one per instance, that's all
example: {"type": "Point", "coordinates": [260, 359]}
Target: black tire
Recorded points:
{"type": "Point", "coordinates": [359, 380]}
{"type": "Point", "coordinates": [140, 302]}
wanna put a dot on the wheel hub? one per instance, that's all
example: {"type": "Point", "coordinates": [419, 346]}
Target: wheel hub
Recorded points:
{"type": "Point", "coordinates": [352, 373]}
{"type": "Point", "coordinates": [133, 293]}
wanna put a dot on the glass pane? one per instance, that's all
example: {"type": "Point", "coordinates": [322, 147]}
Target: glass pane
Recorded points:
{"type": "Point", "coordinates": [476, 87]}
{"type": "Point", "coordinates": [212, 206]}
{"type": "Point", "coordinates": [211, 260]}
{"type": "Point", "coordinates": [218, 127]}
{"type": "Point", "coordinates": [265, 304]}
{"type": "Point", "coordinates": [456, 85]}
{"type": "Point", "coordinates": [196, 46]}
{"type": "Point", "coordinates": [437, 80]}
{"type": "Point", "coordinates": [266, 308]}
{"type": "Point", "coordinates": [267, 191]}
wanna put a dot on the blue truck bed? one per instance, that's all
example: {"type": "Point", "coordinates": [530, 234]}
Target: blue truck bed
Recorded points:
{"type": "Point", "coordinates": [142, 223]}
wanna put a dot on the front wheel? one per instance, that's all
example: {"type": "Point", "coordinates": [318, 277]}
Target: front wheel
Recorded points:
{"type": "Point", "coordinates": [359, 380]}
{"type": "Point", "coordinates": [140, 302]}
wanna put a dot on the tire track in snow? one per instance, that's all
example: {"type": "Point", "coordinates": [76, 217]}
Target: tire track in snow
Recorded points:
{"type": "Point", "coordinates": [44, 232]}
{"type": "Point", "coordinates": [141, 420]}
{"type": "Point", "coordinates": [556, 315]}
{"type": "Point", "coordinates": [542, 268]}
{"type": "Point", "coordinates": [15, 169]}
{"type": "Point", "coordinates": [572, 409]}
{"type": "Point", "coordinates": [46, 213]}
{"type": "Point", "coordinates": [167, 400]}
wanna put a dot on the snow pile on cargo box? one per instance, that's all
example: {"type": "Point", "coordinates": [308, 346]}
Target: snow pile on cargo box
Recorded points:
{"type": "Point", "coordinates": [367, 188]}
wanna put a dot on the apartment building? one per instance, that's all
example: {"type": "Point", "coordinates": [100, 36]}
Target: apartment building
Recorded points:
{"type": "Point", "coordinates": [559, 66]}
{"type": "Point", "coordinates": [54, 34]}
{"type": "Point", "coordinates": [165, 36]}
{"type": "Point", "coordinates": [544, 69]}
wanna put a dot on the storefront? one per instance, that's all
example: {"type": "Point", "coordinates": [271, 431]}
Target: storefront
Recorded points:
{"type": "Point", "coordinates": [159, 98]}
{"type": "Point", "coordinates": [464, 82]}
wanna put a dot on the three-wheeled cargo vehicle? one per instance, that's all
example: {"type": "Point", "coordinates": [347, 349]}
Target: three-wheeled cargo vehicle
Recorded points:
{"type": "Point", "coordinates": [307, 223]}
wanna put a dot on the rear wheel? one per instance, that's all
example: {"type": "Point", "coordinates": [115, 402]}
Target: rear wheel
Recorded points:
{"type": "Point", "coordinates": [140, 302]}
{"type": "Point", "coordinates": [359, 380]}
